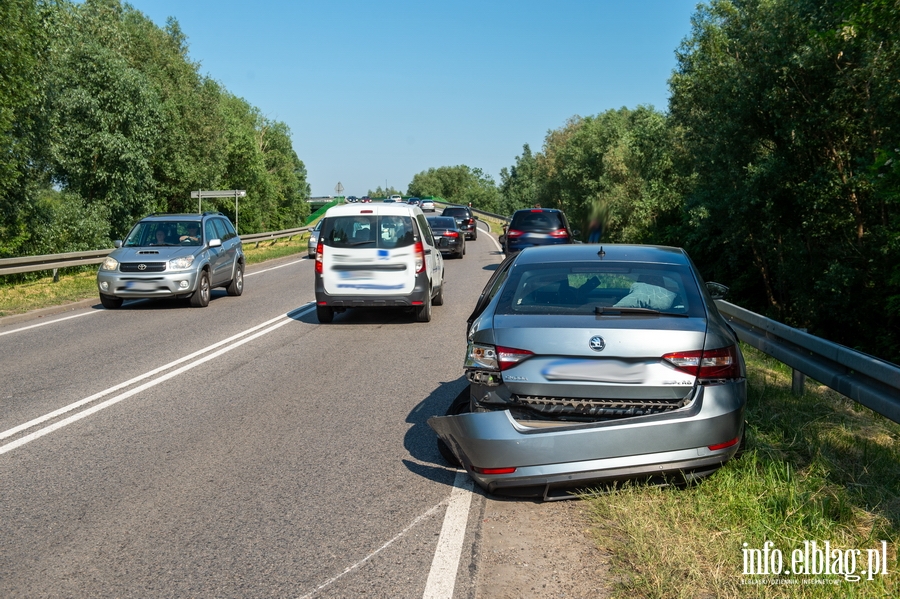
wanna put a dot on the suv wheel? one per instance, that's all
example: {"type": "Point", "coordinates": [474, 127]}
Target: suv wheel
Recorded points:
{"type": "Point", "coordinates": [200, 298]}
{"type": "Point", "coordinates": [236, 286]}
{"type": "Point", "coordinates": [109, 302]}
{"type": "Point", "coordinates": [423, 312]}
{"type": "Point", "coordinates": [325, 314]}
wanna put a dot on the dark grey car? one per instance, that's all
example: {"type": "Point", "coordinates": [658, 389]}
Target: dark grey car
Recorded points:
{"type": "Point", "coordinates": [591, 363]}
{"type": "Point", "coordinates": [174, 255]}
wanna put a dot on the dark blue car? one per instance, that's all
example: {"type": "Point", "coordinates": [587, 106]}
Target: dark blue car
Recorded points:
{"type": "Point", "coordinates": [537, 226]}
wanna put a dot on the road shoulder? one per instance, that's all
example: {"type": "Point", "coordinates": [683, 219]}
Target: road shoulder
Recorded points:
{"type": "Point", "coordinates": [539, 549]}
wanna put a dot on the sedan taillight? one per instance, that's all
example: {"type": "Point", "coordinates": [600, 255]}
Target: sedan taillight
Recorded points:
{"type": "Point", "coordinates": [510, 356]}
{"type": "Point", "coordinates": [451, 234]}
{"type": "Point", "coordinates": [709, 364]}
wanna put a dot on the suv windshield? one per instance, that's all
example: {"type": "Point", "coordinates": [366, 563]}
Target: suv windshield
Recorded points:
{"type": "Point", "coordinates": [368, 230]}
{"type": "Point", "coordinates": [157, 233]}
{"type": "Point", "coordinates": [583, 288]}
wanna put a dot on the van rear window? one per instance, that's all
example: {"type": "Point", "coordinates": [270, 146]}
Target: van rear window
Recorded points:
{"type": "Point", "coordinates": [368, 231]}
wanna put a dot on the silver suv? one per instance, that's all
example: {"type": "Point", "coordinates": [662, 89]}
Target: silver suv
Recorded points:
{"type": "Point", "coordinates": [174, 255]}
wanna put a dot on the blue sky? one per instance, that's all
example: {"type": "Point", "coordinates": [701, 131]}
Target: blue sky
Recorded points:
{"type": "Point", "coordinates": [375, 92]}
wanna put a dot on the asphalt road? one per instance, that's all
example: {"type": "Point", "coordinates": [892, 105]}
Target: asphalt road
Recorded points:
{"type": "Point", "coordinates": [239, 450]}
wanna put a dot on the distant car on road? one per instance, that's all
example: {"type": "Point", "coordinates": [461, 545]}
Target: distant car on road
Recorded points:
{"type": "Point", "coordinates": [395, 198]}
{"type": "Point", "coordinates": [587, 366]}
{"type": "Point", "coordinates": [537, 226]}
{"type": "Point", "coordinates": [414, 201]}
{"type": "Point", "coordinates": [450, 239]}
{"type": "Point", "coordinates": [313, 240]}
{"type": "Point", "coordinates": [427, 205]}
{"type": "Point", "coordinates": [464, 218]}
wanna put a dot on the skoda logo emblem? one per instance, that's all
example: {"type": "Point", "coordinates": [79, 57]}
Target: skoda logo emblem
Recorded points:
{"type": "Point", "coordinates": [597, 343]}
{"type": "Point", "coordinates": [144, 267]}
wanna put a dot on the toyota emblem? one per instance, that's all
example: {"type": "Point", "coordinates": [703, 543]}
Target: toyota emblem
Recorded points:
{"type": "Point", "coordinates": [144, 267]}
{"type": "Point", "coordinates": [597, 343]}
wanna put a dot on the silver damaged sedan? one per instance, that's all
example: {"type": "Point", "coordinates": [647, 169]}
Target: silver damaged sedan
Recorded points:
{"type": "Point", "coordinates": [589, 364]}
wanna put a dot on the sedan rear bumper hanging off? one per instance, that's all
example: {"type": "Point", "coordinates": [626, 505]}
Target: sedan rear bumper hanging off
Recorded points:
{"type": "Point", "coordinates": [499, 452]}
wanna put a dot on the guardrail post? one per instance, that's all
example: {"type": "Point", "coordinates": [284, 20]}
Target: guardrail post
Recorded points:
{"type": "Point", "coordinates": [798, 379]}
{"type": "Point", "coordinates": [56, 275]}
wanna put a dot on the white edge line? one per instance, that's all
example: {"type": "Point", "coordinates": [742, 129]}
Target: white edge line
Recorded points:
{"type": "Point", "coordinates": [96, 396]}
{"type": "Point", "coordinates": [42, 324]}
{"type": "Point", "coordinates": [374, 553]}
{"type": "Point", "coordinates": [259, 272]}
{"type": "Point", "coordinates": [442, 577]}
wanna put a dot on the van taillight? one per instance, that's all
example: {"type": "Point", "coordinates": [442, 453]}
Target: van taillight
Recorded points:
{"type": "Point", "coordinates": [319, 257]}
{"type": "Point", "coordinates": [709, 364]}
{"type": "Point", "coordinates": [420, 257]}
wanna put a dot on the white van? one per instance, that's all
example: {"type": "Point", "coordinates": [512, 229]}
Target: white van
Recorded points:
{"type": "Point", "coordinates": [377, 255]}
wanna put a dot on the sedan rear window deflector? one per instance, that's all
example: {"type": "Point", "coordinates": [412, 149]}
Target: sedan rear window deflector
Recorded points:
{"type": "Point", "coordinates": [613, 311]}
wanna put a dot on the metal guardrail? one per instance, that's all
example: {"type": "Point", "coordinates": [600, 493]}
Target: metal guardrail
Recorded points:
{"type": "Point", "coordinates": [11, 266]}
{"type": "Point", "coordinates": [865, 379]}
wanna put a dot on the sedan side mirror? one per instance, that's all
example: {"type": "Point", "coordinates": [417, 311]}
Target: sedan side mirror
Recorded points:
{"type": "Point", "coordinates": [717, 290]}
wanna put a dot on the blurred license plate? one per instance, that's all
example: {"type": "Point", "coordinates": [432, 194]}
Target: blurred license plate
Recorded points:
{"type": "Point", "coordinates": [139, 286]}
{"type": "Point", "coordinates": [356, 275]}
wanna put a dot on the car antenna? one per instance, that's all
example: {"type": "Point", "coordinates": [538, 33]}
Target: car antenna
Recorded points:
{"type": "Point", "coordinates": [601, 253]}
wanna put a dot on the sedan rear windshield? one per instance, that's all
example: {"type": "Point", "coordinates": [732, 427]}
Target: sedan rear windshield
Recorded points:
{"type": "Point", "coordinates": [368, 231]}
{"type": "Point", "coordinates": [608, 288]}
{"type": "Point", "coordinates": [441, 222]}
{"type": "Point", "coordinates": [537, 220]}
{"type": "Point", "coordinates": [456, 212]}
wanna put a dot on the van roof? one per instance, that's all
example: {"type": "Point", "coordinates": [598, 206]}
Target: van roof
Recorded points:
{"type": "Point", "coordinates": [392, 209]}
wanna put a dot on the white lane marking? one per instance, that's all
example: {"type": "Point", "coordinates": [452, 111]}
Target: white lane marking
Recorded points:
{"type": "Point", "coordinates": [442, 577]}
{"type": "Point", "coordinates": [42, 324]}
{"type": "Point", "coordinates": [374, 553]}
{"type": "Point", "coordinates": [285, 319]}
{"type": "Point", "coordinates": [259, 272]}
{"type": "Point", "coordinates": [19, 330]}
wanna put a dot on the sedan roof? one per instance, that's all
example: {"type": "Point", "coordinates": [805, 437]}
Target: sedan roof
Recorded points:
{"type": "Point", "coordinates": [610, 252]}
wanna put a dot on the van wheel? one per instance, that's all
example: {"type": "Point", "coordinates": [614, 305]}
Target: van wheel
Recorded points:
{"type": "Point", "coordinates": [423, 312]}
{"type": "Point", "coordinates": [439, 298]}
{"type": "Point", "coordinates": [200, 298]}
{"type": "Point", "coordinates": [461, 405]}
{"type": "Point", "coordinates": [109, 302]}
{"type": "Point", "coordinates": [325, 314]}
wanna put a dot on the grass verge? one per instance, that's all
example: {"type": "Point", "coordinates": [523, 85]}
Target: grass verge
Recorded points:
{"type": "Point", "coordinates": [19, 298]}
{"type": "Point", "coordinates": [815, 468]}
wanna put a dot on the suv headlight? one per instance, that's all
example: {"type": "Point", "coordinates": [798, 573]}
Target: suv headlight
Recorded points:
{"type": "Point", "coordinates": [109, 264]}
{"type": "Point", "coordinates": [182, 263]}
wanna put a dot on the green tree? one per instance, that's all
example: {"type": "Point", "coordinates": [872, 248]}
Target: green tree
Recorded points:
{"type": "Point", "coordinates": [789, 110]}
